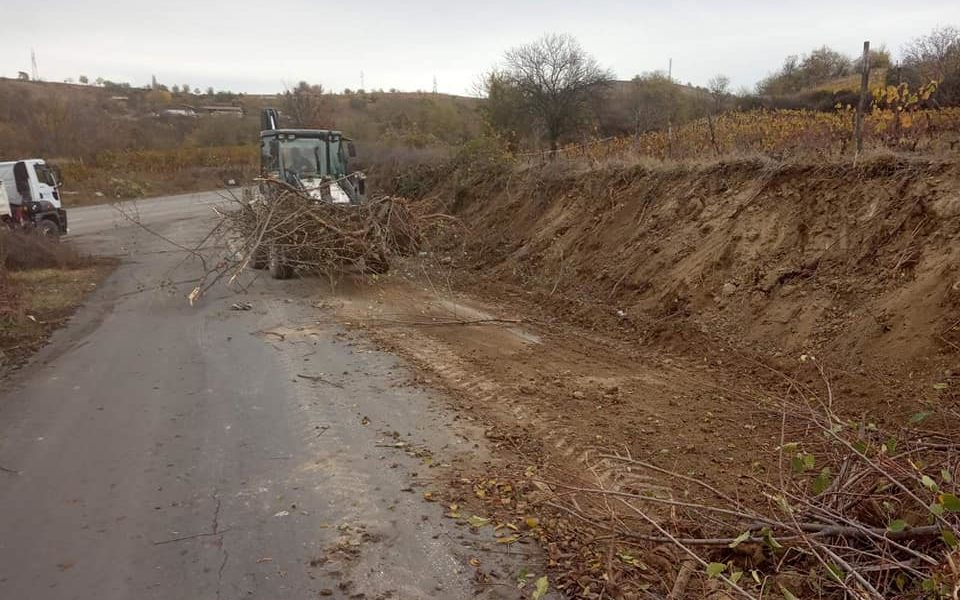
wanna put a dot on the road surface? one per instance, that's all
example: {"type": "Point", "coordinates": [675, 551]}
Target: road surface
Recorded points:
{"type": "Point", "coordinates": [158, 450]}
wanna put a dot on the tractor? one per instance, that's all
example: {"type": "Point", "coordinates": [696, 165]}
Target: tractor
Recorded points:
{"type": "Point", "coordinates": [313, 162]}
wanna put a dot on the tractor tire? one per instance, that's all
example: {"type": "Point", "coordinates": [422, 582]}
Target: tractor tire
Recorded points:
{"type": "Point", "coordinates": [276, 265]}
{"type": "Point", "coordinates": [378, 265]}
{"type": "Point", "coordinates": [260, 259]}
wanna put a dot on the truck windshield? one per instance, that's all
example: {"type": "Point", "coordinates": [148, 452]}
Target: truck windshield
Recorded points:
{"type": "Point", "coordinates": [306, 157]}
{"type": "Point", "coordinates": [45, 174]}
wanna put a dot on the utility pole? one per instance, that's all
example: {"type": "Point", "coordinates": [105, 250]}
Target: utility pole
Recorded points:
{"type": "Point", "coordinates": [670, 119]}
{"type": "Point", "coordinates": [862, 104]}
{"type": "Point", "coordinates": [34, 71]}
{"type": "Point", "coordinates": [434, 84]}
{"type": "Point", "coordinates": [362, 84]}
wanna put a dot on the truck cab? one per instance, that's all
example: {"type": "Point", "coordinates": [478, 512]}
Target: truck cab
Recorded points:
{"type": "Point", "coordinates": [32, 189]}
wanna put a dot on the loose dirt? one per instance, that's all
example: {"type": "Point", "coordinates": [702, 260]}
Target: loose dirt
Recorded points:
{"type": "Point", "coordinates": [670, 315]}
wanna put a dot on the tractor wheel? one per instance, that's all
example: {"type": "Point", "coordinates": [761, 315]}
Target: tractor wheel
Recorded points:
{"type": "Point", "coordinates": [260, 259]}
{"type": "Point", "coordinates": [378, 265]}
{"type": "Point", "coordinates": [277, 266]}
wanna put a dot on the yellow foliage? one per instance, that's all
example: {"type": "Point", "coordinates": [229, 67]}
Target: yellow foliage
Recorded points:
{"type": "Point", "coordinates": [779, 133]}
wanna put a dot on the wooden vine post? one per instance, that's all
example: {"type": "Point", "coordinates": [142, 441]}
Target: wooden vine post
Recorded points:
{"type": "Point", "coordinates": [864, 94]}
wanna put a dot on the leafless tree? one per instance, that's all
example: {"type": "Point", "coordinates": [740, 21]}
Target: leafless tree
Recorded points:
{"type": "Point", "coordinates": [719, 87]}
{"type": "Point", "coordinates": [935, 51]}
{"type": "Point", "coordinates": [935, 57]}
{"type": "Point", "coordinates": [555, 79]}
{"type": "Point", "coordinates": [303, 104]}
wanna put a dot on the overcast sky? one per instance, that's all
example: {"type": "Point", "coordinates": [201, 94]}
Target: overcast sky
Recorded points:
{"type": "Point", "coordinates": [262, 46]}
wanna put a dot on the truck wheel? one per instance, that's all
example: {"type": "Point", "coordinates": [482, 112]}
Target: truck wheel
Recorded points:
{"type": "Point", "coordinates": [278, 268]}
{"type": "Point", "coordinates": [48, 228]}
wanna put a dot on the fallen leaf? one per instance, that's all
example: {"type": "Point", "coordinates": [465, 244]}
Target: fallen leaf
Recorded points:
{"type": "Point", "coordinates": [478, 522]}
{"type": "Point", "coordinates": [542, 585]}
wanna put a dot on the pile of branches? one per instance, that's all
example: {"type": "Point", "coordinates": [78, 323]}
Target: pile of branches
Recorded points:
{"type": "Point", "coordinates": [323, 237]}
{"type": "Point", "coordinates": [854, 513]}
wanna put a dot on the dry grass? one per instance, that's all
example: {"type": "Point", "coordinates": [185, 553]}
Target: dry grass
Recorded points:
{"type": "Point", "coordinates": [20, 251]}
{"type": "Point", "coordinates": [143, 173]}
{"type": "Point", "coordinates": [34, 303]}
{"type": "Point", "coordinates": [42, 281]}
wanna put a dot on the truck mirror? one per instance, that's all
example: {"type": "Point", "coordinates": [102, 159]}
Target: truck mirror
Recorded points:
{"type": "Point", "coordinates": [21, 178]}
{"type": "Point", "coordinates": [351, 150]}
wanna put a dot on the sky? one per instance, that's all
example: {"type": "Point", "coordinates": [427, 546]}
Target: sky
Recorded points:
{"type": "Point", "coordinates": [264, 47]}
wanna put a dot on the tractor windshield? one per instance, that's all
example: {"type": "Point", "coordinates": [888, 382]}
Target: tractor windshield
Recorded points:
{"type": "Point", "coordinates": [305, 157]}
{"type": "Point", "coordinates": [338, 158]}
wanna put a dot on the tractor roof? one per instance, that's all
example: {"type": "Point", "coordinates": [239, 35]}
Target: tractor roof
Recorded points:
{"type": "Point", "coordinates": [320, 133]}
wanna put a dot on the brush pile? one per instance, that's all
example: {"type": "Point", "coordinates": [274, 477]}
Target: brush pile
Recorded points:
{"type": "Point", "coordinates": [854, 513]}
{"type": "Point", "coordinates": [323, 237]}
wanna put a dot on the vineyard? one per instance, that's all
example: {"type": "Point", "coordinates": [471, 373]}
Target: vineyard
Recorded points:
{"type": "Point", "coordinates": [785, 134]}
{"type": "Point", "coordinates": [138, 173]}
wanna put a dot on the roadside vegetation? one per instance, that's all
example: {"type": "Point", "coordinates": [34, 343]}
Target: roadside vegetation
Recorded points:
{"type": "Point", "coordinates": [42, 281]}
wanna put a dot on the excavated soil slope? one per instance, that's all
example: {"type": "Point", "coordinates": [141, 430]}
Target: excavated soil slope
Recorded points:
{"type": "Point", "coordinates": [663, 314]}
{"type": "Point", "coordinates": [856, 264]}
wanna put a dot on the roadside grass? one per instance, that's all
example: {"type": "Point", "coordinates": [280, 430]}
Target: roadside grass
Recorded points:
{"type": "Point", "coordinates": [42, 281]}
{"type": "Point", "coordinates": [131, 174]}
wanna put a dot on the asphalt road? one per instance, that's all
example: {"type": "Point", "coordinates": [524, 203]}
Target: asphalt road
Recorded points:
{"type": "Point", "coordinates": [160, 450]}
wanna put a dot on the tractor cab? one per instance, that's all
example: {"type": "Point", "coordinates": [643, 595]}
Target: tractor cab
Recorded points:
{"type": "Point", "coordinates": [314, 161]}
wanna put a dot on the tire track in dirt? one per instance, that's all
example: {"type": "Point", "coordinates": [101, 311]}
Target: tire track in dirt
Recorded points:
{"type": "Point", "coordinates": [556, 436]}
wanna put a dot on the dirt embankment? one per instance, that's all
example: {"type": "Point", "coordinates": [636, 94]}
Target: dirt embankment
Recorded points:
{"type": "Point", "coordinates": [855, 264]}
{"type": "Point", "coordinates": [663, 314]}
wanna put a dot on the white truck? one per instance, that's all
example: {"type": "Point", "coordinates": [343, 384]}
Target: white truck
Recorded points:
{"type": "Point", "coordinates": [30, 196]}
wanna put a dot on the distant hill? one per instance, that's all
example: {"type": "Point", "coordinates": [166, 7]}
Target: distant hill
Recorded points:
{"type": "Point", "coordinates": [75, 121]}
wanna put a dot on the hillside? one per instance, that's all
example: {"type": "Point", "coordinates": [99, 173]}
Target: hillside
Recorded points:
{"type": "Point", "coordinates": [680, 333]}
{"type": "Point", "coordinates": [78, 121]}
{"type": "Point", "coordinates": [121, 142]}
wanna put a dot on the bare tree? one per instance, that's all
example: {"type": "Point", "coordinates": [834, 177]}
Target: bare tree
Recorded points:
{"type": "Point", "coordinates": [555, 79]}
{"type": "Point", "coordinates": [934, 52]}
{"type": "Point", "coordinates": [935, 57]}
{"type": "Point", "coordinates": [719, 87]}
{"type": "Point", "coordinates": [303, 104]}
{"type": "Point", "coordinates": [656, 102]}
